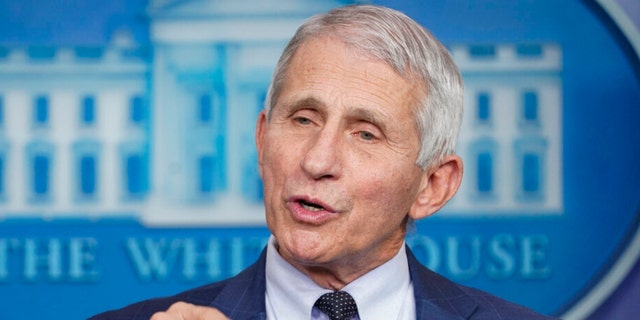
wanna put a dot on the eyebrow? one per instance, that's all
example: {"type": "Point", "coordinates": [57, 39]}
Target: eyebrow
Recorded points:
{"type": "Point", "coordinates": [367, 115]}
{"type": "Point", "coordinates": [355, 112]}
{"type": "Point", "coordinates": [296, 105]}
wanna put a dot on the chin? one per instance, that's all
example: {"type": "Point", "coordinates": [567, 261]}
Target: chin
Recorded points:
{"type": "Point", "coordinates": [302, 245]}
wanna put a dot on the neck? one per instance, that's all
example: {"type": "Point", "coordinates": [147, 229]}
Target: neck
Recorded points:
{"type": "Point", "coordinates": [337, 274]}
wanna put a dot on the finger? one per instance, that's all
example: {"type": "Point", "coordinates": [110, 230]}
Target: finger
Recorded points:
{"type": "Point", "coordinates": [186, 311]}
{"type": "Point", "coordinates": [164, 315]}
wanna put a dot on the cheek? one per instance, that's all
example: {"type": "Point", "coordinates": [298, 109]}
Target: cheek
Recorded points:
{"type": "Point", "coordinates": [269, 175]}
{"type": "Point", "coordinates": [278, 166]}
{"type": "Point", "coordinates": [392, 193]}
{"type": "Point", "coordinates": [273, 159]}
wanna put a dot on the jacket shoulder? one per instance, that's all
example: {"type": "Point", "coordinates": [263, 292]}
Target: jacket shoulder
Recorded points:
{"type": "Point", "coordinates": [203, 295]}
{"type": "Point", "coordinates": [435, 294]}
{"type": "Point", "coordinates": [222, 295]}
{"type": "Point", "coordinates": [492, 307]}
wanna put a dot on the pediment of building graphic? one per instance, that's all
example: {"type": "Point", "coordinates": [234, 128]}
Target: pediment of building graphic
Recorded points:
{"type": "Point", "coordinates": [178, 9]}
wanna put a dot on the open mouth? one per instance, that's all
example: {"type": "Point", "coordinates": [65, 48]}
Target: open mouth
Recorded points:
{"type": "Point", "coordinates": [310, 206]}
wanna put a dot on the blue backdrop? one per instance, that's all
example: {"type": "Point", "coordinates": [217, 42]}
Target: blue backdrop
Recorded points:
{"type": "Point", "coordinates": [127, 167]}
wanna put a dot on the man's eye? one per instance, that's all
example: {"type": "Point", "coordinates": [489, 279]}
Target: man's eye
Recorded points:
{"type": "Point", "coordinates": [364, 135]}
{"type": "Point", "coordinates": [302, 120]}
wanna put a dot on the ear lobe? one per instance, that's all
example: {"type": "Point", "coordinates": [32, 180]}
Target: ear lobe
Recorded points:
{"type": "Point", "coordinates": [439, 184]}
{"type": "Point", "coordinates": [261, 125]}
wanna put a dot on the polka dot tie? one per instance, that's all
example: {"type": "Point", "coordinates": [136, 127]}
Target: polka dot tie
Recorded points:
{"type": "Point", "coordinates": [337, 305]}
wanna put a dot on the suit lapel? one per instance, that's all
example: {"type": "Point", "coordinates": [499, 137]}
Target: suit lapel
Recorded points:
{"type": "Point", "coordinates": [437, 297]}
{"type": "Point", "coordinates": [243, 296]}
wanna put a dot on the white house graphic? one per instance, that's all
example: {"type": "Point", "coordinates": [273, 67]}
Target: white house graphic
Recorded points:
{"type": "Point", "coordinates": [512, 133]}
{"type": "Point", "coordinates": [165, 132]}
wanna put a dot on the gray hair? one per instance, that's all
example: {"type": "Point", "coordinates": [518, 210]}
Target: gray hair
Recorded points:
{"type": "Point", "coordinates": [412, 51]}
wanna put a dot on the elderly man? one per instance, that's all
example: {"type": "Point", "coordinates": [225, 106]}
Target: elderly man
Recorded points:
{"type": "Point", "coordinates": [356, 141]}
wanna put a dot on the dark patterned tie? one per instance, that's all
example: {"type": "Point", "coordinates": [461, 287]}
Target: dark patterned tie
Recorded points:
{"type": "Point", "coordinates": [337, 305]}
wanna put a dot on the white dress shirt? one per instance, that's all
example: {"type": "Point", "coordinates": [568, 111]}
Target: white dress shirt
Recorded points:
{"type": "Point", "coordinates": [385, 292]}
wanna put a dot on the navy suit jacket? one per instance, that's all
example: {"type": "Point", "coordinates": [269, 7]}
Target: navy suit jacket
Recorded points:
{"type": "Point", "coordinates": [242, 297]}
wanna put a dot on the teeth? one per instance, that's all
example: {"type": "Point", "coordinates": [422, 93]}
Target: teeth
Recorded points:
{"type": "Point", "coordinates": [310, 207]}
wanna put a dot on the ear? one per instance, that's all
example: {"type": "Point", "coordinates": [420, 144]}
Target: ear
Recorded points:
{"type": "Point", "coordinates": [261, 127]}
{"type": "Point", "coordinates": [439, 183]}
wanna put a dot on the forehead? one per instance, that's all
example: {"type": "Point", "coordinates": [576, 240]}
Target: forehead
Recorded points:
{"type": "Point", "coordinates": [330, 69]}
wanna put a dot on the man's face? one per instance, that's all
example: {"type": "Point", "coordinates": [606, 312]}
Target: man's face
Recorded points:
{"type": "Point", "coordinates": [337, 158]}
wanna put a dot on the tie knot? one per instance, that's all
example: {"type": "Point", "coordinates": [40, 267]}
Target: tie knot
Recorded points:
{"type": "Point", "coordinates": [337, 305]}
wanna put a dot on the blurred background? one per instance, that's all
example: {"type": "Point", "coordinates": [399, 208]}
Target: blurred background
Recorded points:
{"type": "Point", "coordinates": [128, 168]}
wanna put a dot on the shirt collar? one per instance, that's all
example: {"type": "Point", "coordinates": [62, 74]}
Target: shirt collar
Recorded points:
{"type": "Point", "coordinates": [380, 293]}
{"type": "Point", "coordinates": [290, 294]}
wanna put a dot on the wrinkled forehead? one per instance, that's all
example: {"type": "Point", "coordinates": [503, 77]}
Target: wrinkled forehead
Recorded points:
{"type": "Point", "coordinates": [311, 54]}
{"type": "Point", "coordinates": [371, 52]}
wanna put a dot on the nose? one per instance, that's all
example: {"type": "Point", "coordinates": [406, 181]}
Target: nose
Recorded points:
{"type": "Point", "coordinates": [322, 159]}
